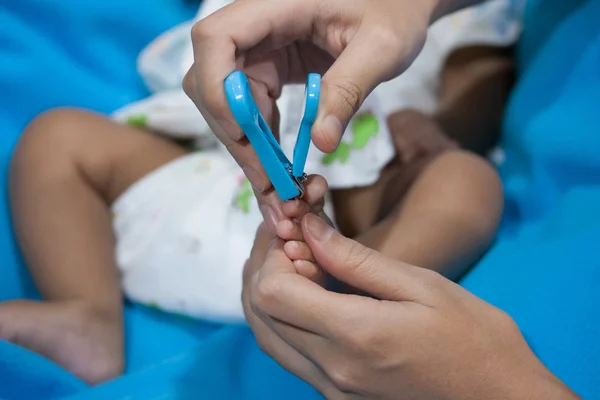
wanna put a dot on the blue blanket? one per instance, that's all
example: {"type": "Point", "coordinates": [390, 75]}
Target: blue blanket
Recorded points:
{"type": "Point", "coordinates": [544, 269]}
{"type": "Point", "coordinates": [83, 53]}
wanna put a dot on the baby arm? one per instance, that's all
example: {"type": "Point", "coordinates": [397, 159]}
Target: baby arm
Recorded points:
{"type": "Point", "coordinates": [434, 205]}
{"type": "Point", "coordinates": [445, 222]}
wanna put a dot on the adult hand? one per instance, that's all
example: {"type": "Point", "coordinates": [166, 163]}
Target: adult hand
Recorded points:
{"type": "Point", "coordinates": [356, 44]}
{"type": "Point", "coordinates": [420, 337]}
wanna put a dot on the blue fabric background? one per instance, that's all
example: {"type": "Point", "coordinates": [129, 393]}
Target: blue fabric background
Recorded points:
{"type": "Point", "coordinates": [543, 270]}
{"type": "Point", "coordinates": [83, 53]}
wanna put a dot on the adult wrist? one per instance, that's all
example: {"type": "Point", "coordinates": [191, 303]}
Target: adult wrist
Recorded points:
{"type": "Point", "coordinates": [537, 383]}
{"type": "Point", "coordinates": [547, 387]}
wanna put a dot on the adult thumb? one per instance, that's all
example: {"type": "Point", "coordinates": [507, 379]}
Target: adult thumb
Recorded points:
{"type": "Point", "coordinates": [369, 59]}
{"type": "Point", "coordinates": [358, 266]}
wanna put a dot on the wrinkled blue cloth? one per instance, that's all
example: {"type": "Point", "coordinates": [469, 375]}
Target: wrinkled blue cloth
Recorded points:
{"type": "Point", "coordinates": [543, 270]}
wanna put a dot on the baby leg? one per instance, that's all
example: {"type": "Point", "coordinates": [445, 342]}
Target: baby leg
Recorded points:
{"type": "Point", "coordinates": [438, 210]}
{"type": "Point", "coordinates": [67, 169]}
{"type": "Point", "coordinates": [447, 218]}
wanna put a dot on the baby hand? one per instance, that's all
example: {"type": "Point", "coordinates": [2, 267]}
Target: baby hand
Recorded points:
{"type": "Point", "coordinates": [289, 229]}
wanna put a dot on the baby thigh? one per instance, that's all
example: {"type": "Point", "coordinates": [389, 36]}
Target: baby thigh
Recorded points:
{"type": "Point", "coordinates": [447, 218]}
{"type": "Point", "coordinates": [67, 168]}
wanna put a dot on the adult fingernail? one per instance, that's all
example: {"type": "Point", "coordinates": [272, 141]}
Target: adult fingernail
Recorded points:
{"type": "Point", "coordinates": [258, 182]}
{"type": "Point", "coordinates": [318, 228]}
{"type": "Point", "coordinates": [331, 129]}
{"type": "Point", "coordinates": [293, 203]}
{"type": "Point", "coordinates": [270, 218]}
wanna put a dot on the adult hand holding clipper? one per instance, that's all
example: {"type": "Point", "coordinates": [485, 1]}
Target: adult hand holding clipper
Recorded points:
{"type": "Point", "coordinates": [354, 44]}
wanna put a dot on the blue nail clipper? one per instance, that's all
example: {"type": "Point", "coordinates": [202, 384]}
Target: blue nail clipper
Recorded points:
{"type": "Point", "coordinates": [287, 177]}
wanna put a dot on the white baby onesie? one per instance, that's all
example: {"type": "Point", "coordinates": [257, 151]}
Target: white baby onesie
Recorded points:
{"type": "Point", "coordinates": [185, 230]}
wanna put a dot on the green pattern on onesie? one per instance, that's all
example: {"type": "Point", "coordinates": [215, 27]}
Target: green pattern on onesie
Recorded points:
{"type": "Point", "coordinates": [138, 121]}
{"type": "Point", "coordinates": [363, 126]}
{"type": "Point", "coordinates": [244, 197]}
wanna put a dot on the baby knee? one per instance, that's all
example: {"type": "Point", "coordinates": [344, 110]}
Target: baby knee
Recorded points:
{"type": "Point", "coordinates": [52, 130]}
{"type": "Point", "coordinates": [46, 143]}
{"type": "Point", "coordinates": [473, 188]}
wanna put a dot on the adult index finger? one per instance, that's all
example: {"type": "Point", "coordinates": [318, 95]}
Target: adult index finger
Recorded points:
{"type": "Point", "coordinates": [221, 39]}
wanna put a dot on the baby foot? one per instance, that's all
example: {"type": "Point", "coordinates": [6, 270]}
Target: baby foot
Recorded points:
{"type": "Point", "coordinates": [87, 343]}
